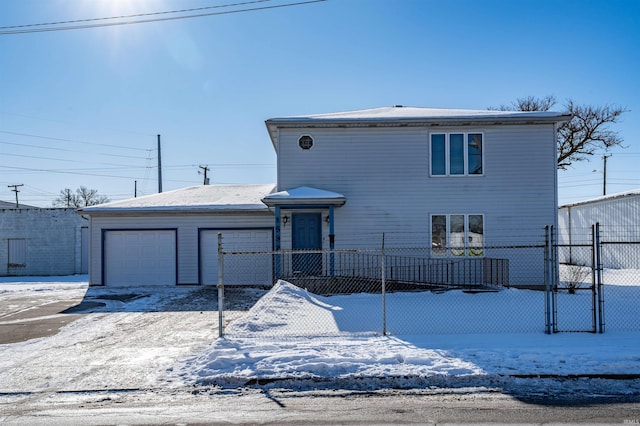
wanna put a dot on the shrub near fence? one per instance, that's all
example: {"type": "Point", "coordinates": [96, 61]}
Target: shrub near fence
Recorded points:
{"type": "Point", "coordinates": [407, 291]}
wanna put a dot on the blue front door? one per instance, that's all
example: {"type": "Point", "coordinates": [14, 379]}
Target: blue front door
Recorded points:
{"type": "Point", "coordinates": [307, 235]}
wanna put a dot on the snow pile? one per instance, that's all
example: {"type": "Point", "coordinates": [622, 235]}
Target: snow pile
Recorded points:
{"type": "Point", "coordinates": [305, 315]}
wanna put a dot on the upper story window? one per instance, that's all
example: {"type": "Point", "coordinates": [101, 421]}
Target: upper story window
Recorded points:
{"type": "Point", "coordinates": [456, 154]}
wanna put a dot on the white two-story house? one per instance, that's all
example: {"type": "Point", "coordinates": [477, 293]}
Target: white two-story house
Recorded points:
{"type": "Point", "coordinates": [453, 183]}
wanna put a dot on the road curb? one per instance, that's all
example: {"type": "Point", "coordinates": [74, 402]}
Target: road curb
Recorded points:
{"type": "Point", "coordinates": [606, 376]}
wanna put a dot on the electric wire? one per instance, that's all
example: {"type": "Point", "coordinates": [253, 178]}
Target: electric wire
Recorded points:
{"type": "Point", "coordinates": [137, 15]}
{"type": "Point", "coordinates": [66, 150]}
{"type": "Point", "coordinates": [75, 141]}
{"type": "Point", "coordinates": [143, 21]}
{"type": "Point", "coordinates": [65, 172]}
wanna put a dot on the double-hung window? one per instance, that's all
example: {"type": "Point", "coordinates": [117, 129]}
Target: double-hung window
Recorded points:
{"type": "Point", "coordinates": [457, 235]}
{"type": "Point", "coordinates": [456, 154]}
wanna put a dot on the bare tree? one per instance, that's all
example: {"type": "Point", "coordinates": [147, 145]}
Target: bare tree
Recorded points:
{"type": "Point", "coordinates": [65, 199]}
{"type": "Point", "coordinates": [586, 133]}
{"type": "Point", "coordinates": [82, 197]}
{"type": "Point", "coordinates": [529, 103]}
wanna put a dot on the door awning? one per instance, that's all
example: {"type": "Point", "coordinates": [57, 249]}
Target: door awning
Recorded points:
{"type": "Point", "coordinates": [305, 196]}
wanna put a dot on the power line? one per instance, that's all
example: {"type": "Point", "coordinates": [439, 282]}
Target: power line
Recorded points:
{"type": "Point", "coordinates": [36, 146]}
{"type": "Point", "coordinates": [142, 21]}
{"type": "Point", "coordinates": [32, 117]}
{"type": "Point", "coordinates": [66, 150]}
{"type": "Point", "coordinates": [75, 141]}
{"type": "Point", "coordinates": [62, 159]}
{"type": "Point", "coordinates": [66, 172]}
{"type": "Point", "coordinates": [138, 15]}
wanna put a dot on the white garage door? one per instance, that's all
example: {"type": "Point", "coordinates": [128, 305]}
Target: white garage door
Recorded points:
{"type": "Point", "coordinates": [140, 258]}
{"type": "Point", "coordinates": [239, 269]}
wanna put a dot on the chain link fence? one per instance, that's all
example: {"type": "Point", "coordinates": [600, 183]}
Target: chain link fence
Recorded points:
{"type": "Point", "coordinates": [598, 287]}
{"type": "Point", "coordinates": [535, 288]}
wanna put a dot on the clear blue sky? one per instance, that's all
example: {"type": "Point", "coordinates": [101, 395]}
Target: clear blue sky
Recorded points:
{"type": "Point", "coordinates": [98, 97]}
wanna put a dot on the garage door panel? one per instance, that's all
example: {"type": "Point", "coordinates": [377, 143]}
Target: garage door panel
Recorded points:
{"type": "Point", "coordinates": [144, 257]}
{"type": "Point", "coordinates": [240, 269]}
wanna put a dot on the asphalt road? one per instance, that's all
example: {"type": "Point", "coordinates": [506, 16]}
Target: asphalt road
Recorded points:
{"type": "Point", "coordinates": [279, 407]}
{"type": "Point", "coordinates": [92, 396]}
{"type": "Point", "coordinates": [29, 318]}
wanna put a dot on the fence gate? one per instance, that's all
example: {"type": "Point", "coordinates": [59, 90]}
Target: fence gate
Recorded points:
{"type": "Point", "coordinates": [574, 299]}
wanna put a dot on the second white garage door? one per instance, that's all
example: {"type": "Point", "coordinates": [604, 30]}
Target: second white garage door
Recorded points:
{"type": "Point", "coordinates": [240, 269]}
{"type": "Point", "coordinates": [144, 257]}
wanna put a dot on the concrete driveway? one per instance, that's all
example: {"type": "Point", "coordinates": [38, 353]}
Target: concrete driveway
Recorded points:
{"type": "Point", "coordinates": [30, 317]}
{"type": "Point", "coordinates": [76, 338]}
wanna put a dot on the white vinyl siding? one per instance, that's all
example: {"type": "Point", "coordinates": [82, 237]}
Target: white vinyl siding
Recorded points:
{"type": "Point", "coordinates": [384, 175]}
{"type": "Point", "coordinates": [84, 250]}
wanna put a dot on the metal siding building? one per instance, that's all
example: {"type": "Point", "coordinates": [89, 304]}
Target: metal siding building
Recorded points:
{"type": "Point", "coordinates": [619, 219]}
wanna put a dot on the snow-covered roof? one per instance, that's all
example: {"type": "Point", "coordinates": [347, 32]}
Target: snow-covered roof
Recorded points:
{"type": "Point", "coordinates": [400, 112]}
{"type": "Point", "coordinates": [304, 195]}
{"type": "Point", "coordinates": [194, 198]}
{"type": "Point", "coordinates": [12, 205]}
{"type": "Point", "coordinates": [633, 193]}
{"type": "Point", "coordinates": [407, 115]}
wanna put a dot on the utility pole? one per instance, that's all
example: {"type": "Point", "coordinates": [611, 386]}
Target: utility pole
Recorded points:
{"type": "Point", "coordinates": [159, 167]}
{"type": "Point", "coordinates": [16, 190]}
{"type": "Point", "coordinates": [604, 172]}
{"type": "Point", "coordinates": [206, 169]}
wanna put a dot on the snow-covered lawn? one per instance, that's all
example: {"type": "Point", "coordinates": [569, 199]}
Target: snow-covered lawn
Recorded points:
{"type": "Point", "coordinates": [167, 339]}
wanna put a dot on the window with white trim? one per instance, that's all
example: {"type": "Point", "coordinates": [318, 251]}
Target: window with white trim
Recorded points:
{"type": "Point", "coordinates": [457, 235]}
{"type": "Point", "coordinates": [456, 154]}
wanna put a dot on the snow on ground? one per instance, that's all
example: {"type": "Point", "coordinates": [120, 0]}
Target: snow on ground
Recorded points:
{"type": "Point", "coordinates": [123, 339]}
{"type": "Point", "coordinates": [292, 334]}
{"type": "Point", "coordinates": [167, 339]}
{"type": "Point", "coordinates": [18, 286]}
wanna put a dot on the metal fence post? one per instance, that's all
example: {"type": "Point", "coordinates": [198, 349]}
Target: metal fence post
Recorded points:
{"type": "Point", "coordinates": [383, 291]}
{"type": "Point", "coordinates": [599, 285]}
{"type": "Point", "coordinates": [594, 285]}
{"type": "Point", "coordinates": [555, 278]}
{"type": "Point", "coordinates": [550, 281]}
{"type": "Point", "coordinates": [220, 286]}
{"type": "Point", "coordinates": [547, 282]}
